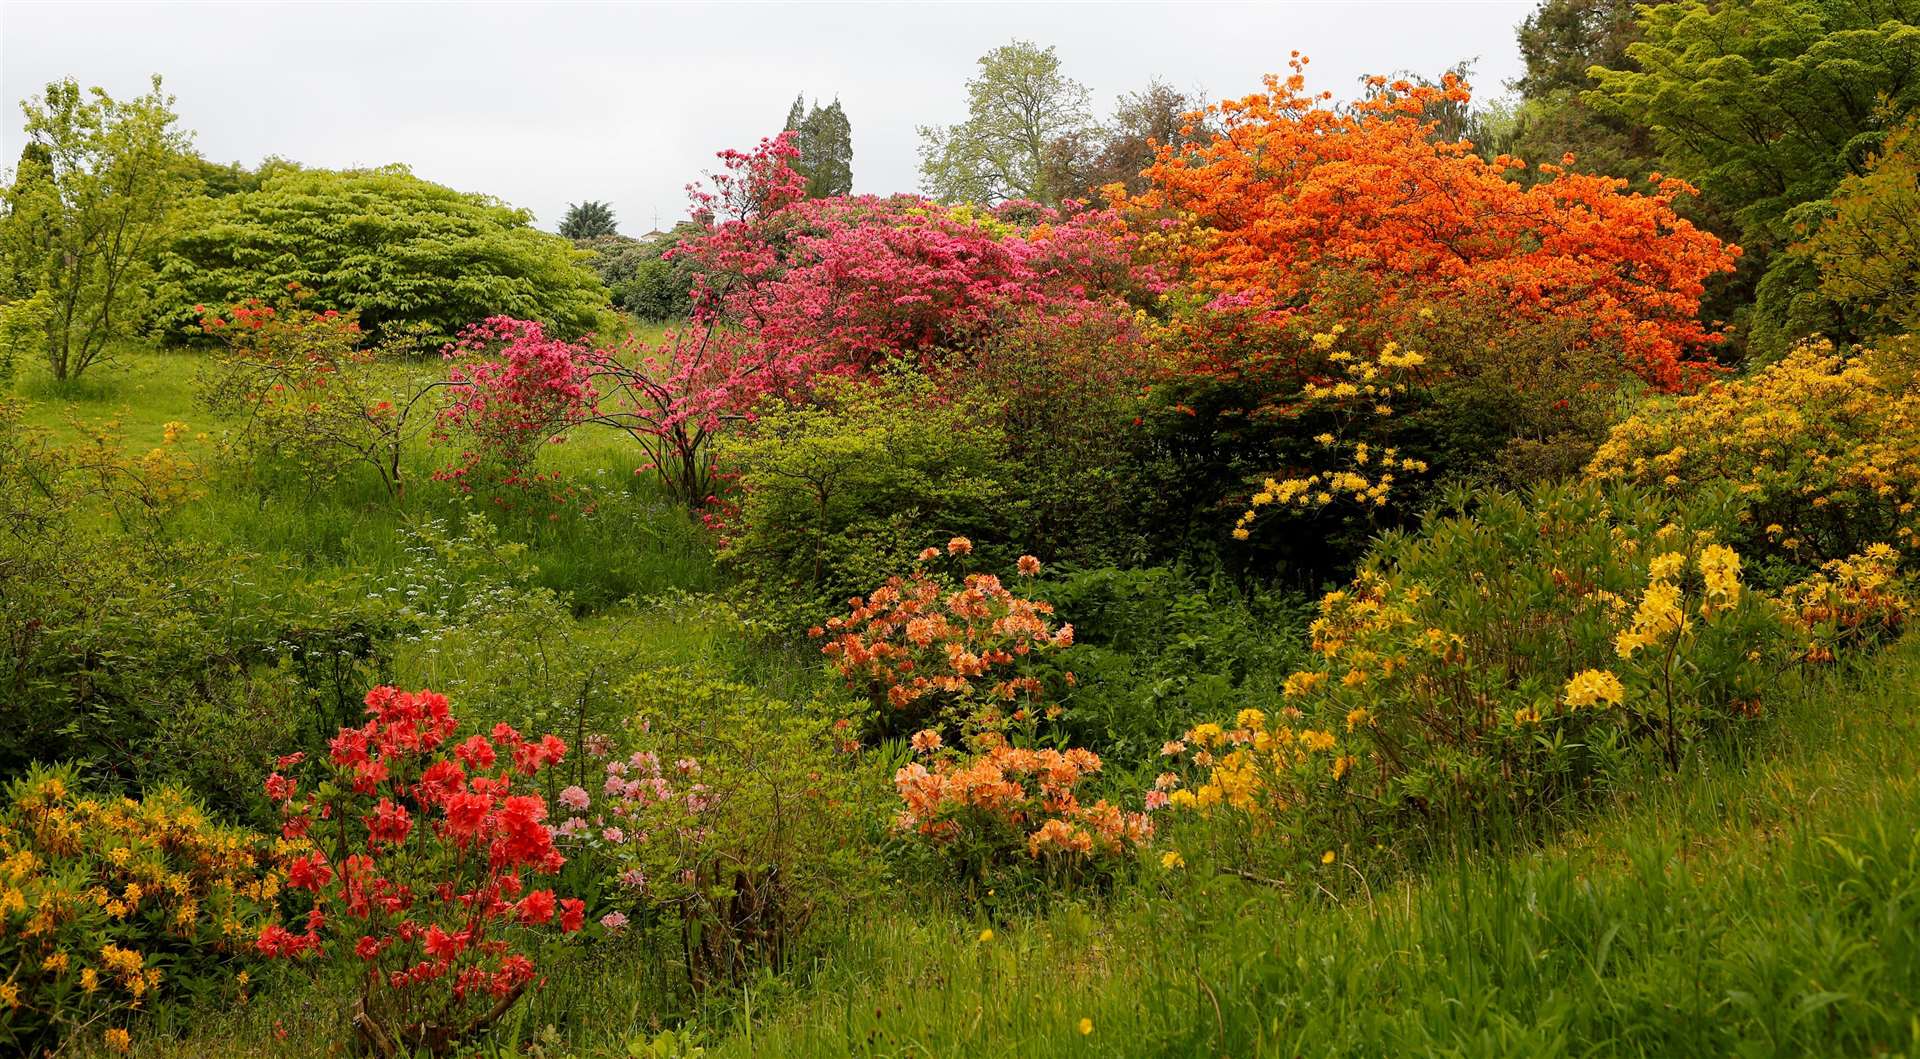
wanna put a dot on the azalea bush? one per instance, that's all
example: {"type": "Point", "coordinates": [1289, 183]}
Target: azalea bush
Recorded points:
{"type": "Point", "coordinates": [717, 823]}
{"type": "Point", "coordinates": [1502, 661]}
{"type": "Point", "coordinates": [419, 858]}
{"type": "Point", "coordinates": [512, 390]}
{"type": "Point", "coordinates": [310, 395]}
{"type": "Point", "coordinates": [1851, 604]}
{"type": "Point", "coordinates": [1824, 448]}
{"type": "Point", "coordinates": [109, 904]}
{"type": "Point", "coordinates": [1012, 817]}
{"type": "Point", "coordinates": [964, 654]}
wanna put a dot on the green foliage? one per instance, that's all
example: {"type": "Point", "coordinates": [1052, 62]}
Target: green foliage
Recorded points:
{"type": "Point", "coordinates": [839, 493]}
{"type": "Point", "coordinates": [588, 220]}
{"type": "Point", "coordinates": [379, 242]}
{"type": "Point", "coordinates": [1868, 251]}
{"type": "Point", "coordinates": [88, 207]}
{"type": "Point", "coordinates": [1019, 108]}
{"type": "Point", "coordinates": [643, 281]}
{"type": "Point", "coordinates": [825, 139]}
{"type": "Point", "coordinates": [23, 330]}
{"type": "Point", "coordinates": [1767, 106]}
{"type": "Point", "coordinates": [1156, 650]}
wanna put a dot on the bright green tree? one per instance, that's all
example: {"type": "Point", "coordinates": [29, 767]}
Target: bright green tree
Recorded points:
{"type": "Point", "coordinates": [1024, 117]}
{"type": "Point", "coordinates": [88, 205]}
{"type": "Point", "coordinates": [1868, 252]}
{"type": "Point", "coordinates": [395, 248]}
{"type": "Point", "coordinates": [825, 139]}
{"type": "Point", "coordinates": [1767, 105]}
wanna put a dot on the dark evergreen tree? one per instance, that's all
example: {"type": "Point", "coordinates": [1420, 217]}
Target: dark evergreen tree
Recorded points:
{"type": "Point", "coordinates": [588, 220]}
{"type": "Point", "coordinates": [825, 139]}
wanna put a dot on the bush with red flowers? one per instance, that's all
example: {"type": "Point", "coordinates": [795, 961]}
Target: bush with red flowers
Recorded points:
{"type": "Point", "coordinates": [419, 856]}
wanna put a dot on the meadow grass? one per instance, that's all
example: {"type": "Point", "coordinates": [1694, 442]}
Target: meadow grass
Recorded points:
{"type": "Point", "coordinates": [1765, 901]}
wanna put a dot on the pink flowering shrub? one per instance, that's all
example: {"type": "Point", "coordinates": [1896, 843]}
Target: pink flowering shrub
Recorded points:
{"type": "Point", "coordinates": [724, 826]}
{"type": "Point", "coordinates": [416, 856]}
{"type": "Point", "coordinates": [514, 388]}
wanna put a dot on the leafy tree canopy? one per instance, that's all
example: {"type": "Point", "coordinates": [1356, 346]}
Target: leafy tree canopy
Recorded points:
{"type": "Point", "coordinates": [1019, 108]}
{"type": "Point", "coordinates": [395, 248]}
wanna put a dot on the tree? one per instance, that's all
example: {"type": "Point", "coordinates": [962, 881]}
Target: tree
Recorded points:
{"type": "Point", "coordinates": [1868, 252]}
{"type": "Point", "coordinates": [88, 205]}
{"type": "Point", "coordinates": [1121, 152]}
{"type": "Point", "coordinates": [825, 139]}
{"type": "Point", "coordinates": [1021, 113]}
{"type": "Point", "coordinates": [1766, 106]}
{"type": "Point", "coordinates": [588, 220]}
{"type": "Point", "coordinates": [383, 243]}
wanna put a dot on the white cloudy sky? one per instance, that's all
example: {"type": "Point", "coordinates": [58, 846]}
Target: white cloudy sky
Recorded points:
{"type": "Point", "coordinates": [542, 104]}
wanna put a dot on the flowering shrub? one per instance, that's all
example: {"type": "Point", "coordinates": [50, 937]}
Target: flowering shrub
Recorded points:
{"type": "Point", "coordinates": [927, 651]}
{"type": "Point", "coordinates": [1369, 190]}
{"type": "Point", "coordinates": [1825, 449]}
{"type": "Point", "coordinates": [310, 395]}
{"type": "Point", "coordinates": [513, 389]}
{"type": "Point", "coordinates": [1010, 814]}
{"type": "Point", "coordinates": [416, 853]}
{"type": "Point", "coordinates": [1503, 659]}
{"type": "Point", "coordinates": [107, 902]}
{"type": "Point", "coordinates": [1856, 602]}
{"type": "Point", "coordinates": [732, 824]}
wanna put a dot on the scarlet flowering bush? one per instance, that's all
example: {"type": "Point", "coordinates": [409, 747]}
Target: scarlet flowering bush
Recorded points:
{"type": "Point", "coordinates": [1013, 816]}
{"type": "Point", "coordinates": [513, 389]}
{"type": "Point", "coordinates": [1506, 659]}
{"type": "Point", "coordinates": [927, 650]}
{"type": "Point", "coordinates": [308, 395]}
{"type": "Point", "coordinates": [108, 904]}
{"type": "Point", "coordinates": [418, 857]}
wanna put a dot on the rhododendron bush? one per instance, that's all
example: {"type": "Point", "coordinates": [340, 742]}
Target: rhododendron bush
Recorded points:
{"type": "Point", "coordinates": [419, 857]}
{"type": "Point", "coordinates": [1502, 659]}
{"type": "Point", "coordinates": [927, 650]}
{"type": "Point", "coordinates": [1293, 191]}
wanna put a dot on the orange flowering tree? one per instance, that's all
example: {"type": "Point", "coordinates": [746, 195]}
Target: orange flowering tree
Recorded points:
{"type": "Point", "coordinates": [1292, 191]}
{"type": "Point", "coordinates": [1351, 281]}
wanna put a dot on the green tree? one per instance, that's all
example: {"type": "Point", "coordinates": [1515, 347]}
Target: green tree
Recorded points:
{"type": "Point", "coordinates": [825, 139]}
{"type": "Point", "coordinates": [382, 242]}
{"type": "Point", "coordinates": [88, 206]}
{"type": "Point", "coordinates": [1026, 121]}
{"type": "Point", "coordinates": [1766, 106]}
{"type": "Point", "coordinates": [588, 220]}
{"type": "Point", "coordinates": [1868, 252]}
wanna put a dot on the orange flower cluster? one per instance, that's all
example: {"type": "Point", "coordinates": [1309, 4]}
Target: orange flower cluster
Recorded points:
{"type": "Point", "coordinates": [1017, 792]}
{"type": "Point", "coordinates": [1292, 192]}
{"type": "Point", "coordinates": [917, 643]}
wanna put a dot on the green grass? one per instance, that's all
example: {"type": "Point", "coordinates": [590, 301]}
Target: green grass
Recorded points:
{"type": "Point", "coordinates": [1764, 903]}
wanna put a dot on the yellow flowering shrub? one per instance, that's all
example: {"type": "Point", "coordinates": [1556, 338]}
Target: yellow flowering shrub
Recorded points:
{"type": "Point", "coordinates": [1505, 660]}
{"type": "Point", "coordinates": [1823, 448]}
{"type": "Point", "coordinates": [1860, 600]}
{"type": "Point", "coordinates": [106, 901]}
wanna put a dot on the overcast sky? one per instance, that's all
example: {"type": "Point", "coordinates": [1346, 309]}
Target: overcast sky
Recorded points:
{"type": "Point", "coordinates": [546, 104]}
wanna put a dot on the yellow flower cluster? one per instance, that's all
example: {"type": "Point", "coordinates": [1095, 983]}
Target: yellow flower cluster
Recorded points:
{"type": "Point", "coordinates": [1824, 448]}
{"type": "Point", "coordinates": [1593, 687]}
{"type": "Point", "coordinates": [1860, 598]}
{"type": "Point", "coordinates": [87, 883]}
